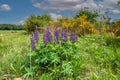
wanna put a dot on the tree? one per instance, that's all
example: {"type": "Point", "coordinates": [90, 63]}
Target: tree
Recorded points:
{"type": "Point", "coordinates": [91, 15]}
{"type": "Point", "coordinates": [39, 21]}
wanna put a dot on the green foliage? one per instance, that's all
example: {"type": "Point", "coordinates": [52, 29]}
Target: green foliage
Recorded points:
{"type": "Point", "coordinates": [45, 77]}
{"type": "Point", "coordinates": [10, 27]}
{"type": "Point", "coordinates": [54, 59]}
{"type": "Point", "coordinates": [39, 21]}
{"type": "Point", "coordinates": [91, 16]}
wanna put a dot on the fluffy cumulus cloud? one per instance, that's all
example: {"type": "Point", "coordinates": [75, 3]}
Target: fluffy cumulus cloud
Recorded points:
{"type": "Point", "coordinates": [55, 16]}
{"type": "Point", "coordinates": [4, 7]}
{"type": "Point", "coordinates": [61, 5]}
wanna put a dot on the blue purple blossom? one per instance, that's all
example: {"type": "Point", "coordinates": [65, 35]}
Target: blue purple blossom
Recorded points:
{"type": "Point", "coordinates": [36, 35]}
{"type": "Point", "coordinates": [60, 40]}
{"type": "Point", "coordinates": [73, 37]}
{"type": "Point", "coordinates": [65, 34]}
{"type": "Point", "coordinates": [34, 39]}
{"type": "Point", "coordinates": [56, 34]}
{"type": "Point", "coordinates": [33, 42]}
{"type": "Point", "coordinates": [47, 37]}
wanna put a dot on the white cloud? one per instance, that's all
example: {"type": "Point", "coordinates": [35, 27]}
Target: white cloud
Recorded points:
{"type": "Point", "coordinates": [56, 4]}
{"type": "Point", "coordinates": [61, 5]}
{"type": "Point", "coordinates": [116, 11]}
{"type": "Point", "coordinates": [55, 16]}
{"type": "Point", "coordinates": [21, 22]}
{"type": "Point", "coordinates": [5, 7]}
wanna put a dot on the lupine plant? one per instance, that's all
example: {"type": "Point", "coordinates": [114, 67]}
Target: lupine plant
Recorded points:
{"type": "Point", "coordinates": [51, 56]}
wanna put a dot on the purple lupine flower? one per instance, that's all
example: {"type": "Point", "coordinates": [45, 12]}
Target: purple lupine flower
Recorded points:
{"type": "Point", "coordinates": [60, 39]}
{"type": "Point", "coordinates": [73, 37]}
{"type": "Point", "coordinates": [56, 34]}
{"type": "Point", "coordinates": [36, 35]}
{"type": "Point", "coordinates": [33, 43]}
{"type": "Point", "coordinates": [65, 34]}
{"type": "Point", "coordinates": [47, 37]}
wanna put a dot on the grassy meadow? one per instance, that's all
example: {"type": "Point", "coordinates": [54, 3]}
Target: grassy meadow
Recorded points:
{"type": "Point", "coordinates": [98, 57]}
{"type": "Point", "coordinates": [14, 45]}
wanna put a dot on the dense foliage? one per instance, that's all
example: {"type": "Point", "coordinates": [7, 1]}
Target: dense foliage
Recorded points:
{"type": "Point", "coordinates": [80, 25]}
{"type": "Point", "coordinates": [39, 21]}
{"type": "Point", "coordinates": [10, 27]}
{"type": "Point", "coordinates": [91, 15]}
{"type": "Point", "coordinates": [117, 28]}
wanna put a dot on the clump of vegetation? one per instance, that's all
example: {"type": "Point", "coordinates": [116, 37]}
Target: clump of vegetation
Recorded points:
{"type": "Point", "coordinates": [39, 21]}
{"type": "Point", "coordinates": [55, 56]}
{"type": "Point", "coordinates": [91, 15]}
{"type": "Point", "coordinates": [80, 25]}
{"type": "Point", "coordinates": [117, 28]}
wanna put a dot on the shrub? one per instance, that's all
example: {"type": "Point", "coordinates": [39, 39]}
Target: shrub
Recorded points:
{"type": "Point", "coordinates": [117, 28]}
{"type": "Point", "coordinates": [39, 21]}
{"type": "Point", "coordinates": [79, 24]}
{"type": "Point", "coordinates": [54, 58]}
{"type": "Point", "coordinates": [82, 26]}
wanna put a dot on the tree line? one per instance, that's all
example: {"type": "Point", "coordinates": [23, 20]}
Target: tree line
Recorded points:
{"type": "Point", "coordinates": [10, 27]}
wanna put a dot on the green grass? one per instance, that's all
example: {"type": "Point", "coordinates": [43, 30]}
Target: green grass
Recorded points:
{"type": "Point", "coordinates": [14, 45]}
{"type": "Point", "coordinates": [98, 57]}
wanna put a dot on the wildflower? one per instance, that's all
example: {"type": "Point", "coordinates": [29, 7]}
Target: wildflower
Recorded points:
{"type": "Point", "coordinates": [65, 34]}
{"type": "Point", "coordinates": [56, 34]}
{"type": "Point", "coordinates": [33, 43]}
{"type": "Point", "coordinates": [47, 37]}
{"type": "Point", "coordinates": [60, 40]}
{"type": "Point", "coordinates": [73, 37]}
{"type": "Point", "coordinates": [36, 36]}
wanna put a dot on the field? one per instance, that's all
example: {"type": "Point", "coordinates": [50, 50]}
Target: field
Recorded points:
{"type": "Point", "coordinates": [98, 57]}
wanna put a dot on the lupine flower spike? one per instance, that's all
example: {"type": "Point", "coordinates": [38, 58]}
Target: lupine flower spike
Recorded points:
{"type": "Point", "coordinates": [33, 42]}
{"type": "Point", "coordinates": [56, 35]}
{"type": "Point", "coordinates": [47, 37]}
{"type": "Point", "coordinates": [36, 35]}
{"type": "Point", "coordinates": [65, 34]}
{"type": "Point", "coordinates": [73, 37]}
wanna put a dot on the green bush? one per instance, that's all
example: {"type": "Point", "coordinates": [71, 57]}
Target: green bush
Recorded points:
{"type": "Point", "coordinates": [54, 59]}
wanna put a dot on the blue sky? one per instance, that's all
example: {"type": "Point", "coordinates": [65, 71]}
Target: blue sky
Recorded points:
{"type": "Point", "coordinates": [16, 11]}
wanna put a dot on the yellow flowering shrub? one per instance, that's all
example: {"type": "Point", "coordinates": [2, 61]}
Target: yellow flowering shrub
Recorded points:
{"type": "Point", "coordinates": [64, 22]}
{"type": "Point", "coordinates": [117, 28]}
{"type": "Point", "coordinates": [82, 26]}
